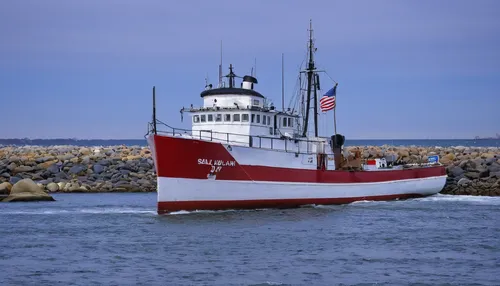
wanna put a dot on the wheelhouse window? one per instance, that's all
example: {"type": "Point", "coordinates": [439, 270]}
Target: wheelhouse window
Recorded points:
{"type": "Point", "coordinates": [210, 117]}
{"type": "Point", "coordinates": [227, 117]}
{"type": "Point", "coordinates": [253, 118]}
{"type": "Point", "coordinates": [264, 118]}
{"type": "Point", "coordinates": [269, 120]}
{"type": "Point", "coordinates": [258, 118]}
{"type": "Point", "coordinates": [218, 117]}
{"type": "Point", "coordinates": [196, 118]}
{"type": "Point", "coordinates": [203, 118]}
{"type": "Point", "coordinates": [290, 122]}
{"type": "Point", "coordinates": [236, 117]}
{"type": "Point", "coordinates": [284, 122]}
{"type": "Point", "coordinates": [255, 102]}
{"type": "Point", "coordinates": [244, 117]}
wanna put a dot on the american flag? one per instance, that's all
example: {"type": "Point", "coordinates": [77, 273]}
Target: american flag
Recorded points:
{"type": "Point", "coordinates": [327, 102]}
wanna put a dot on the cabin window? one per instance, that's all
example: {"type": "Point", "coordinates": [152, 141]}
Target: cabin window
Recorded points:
{"type": "Point", "coordinates": [244, 117]}
{"type": "Point", "coordinates": [253, 118]}
{"type": "Point", "coordinates": [290, 122]}
{"type": "Point", "coordinates": [210, 117]}
{"type": "Point", "coordinates": [258, 118]}
{"type": "Point", "coordinates": [218, 117]}
{"type": "Point", "coordinates": [203, 118]}
{"type": "Point", "coordinates": [256, 102]}
{"type": "Point", "coordinates": [264, 119]}
{"type": "Point", "coordinates": [227, 117]}
{"type": "Point", "coordinates": [269, 120]}
{"type": "Point", "coordinates": [196, 118]}
{"type": "Point", "coordinates": [236, 117]}
{"type": "Point", "coordinates": [284, 122]}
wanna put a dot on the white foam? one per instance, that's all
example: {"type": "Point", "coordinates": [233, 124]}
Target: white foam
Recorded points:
{"type": "Point", "coordinates": [457, 198]}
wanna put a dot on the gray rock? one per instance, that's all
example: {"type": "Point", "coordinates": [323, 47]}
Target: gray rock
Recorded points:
{"type": "Point", "coordinates": [455, 171]}
{"type": "Point", "coordinates": [98, 168]}
{"type": "Point", "coordinates": [468, 165]}
{"type": "Point", "coordinates": [472, 175]}
{"type": "Point", "coordinates": [62, 176]}
{"type": "Point", "coordinates": [490, 161]}
{"type": "Point", "coordinates": [85, 160]}
{"type": "Point", "coordinates": [5, 175]}
{"type": "Point", "coordinates": [44, 159]}
{"type": "Point", "coordinates": [145, 165]}
{"type": "Point", "coordinates": [145, 183]}
{"type": "Point", "coordinates": [494, 167]}
{"type": "Point", "coordinates": [103, 162]}
{"type": "Point", "coordinates": [77, 169]}
{"type": "Point", "coordinates": [65, 157]}
{"type": "Point", "coordinates": [464, 182]}
{"type": "Point", "coordinates": [11, 166]}
{"type": "Point", "coordinates": [22, 169]}
{"type": "Point", "coordinates": [54, 169]}
{"type": "Point", "coordinates": [14, 180]}
{"type": "Point", "coordinates": [43, 182]}
{"type": "Point", "coordinates": [483, 172]}
{"type": "Point", "coordinates": [495, 174]}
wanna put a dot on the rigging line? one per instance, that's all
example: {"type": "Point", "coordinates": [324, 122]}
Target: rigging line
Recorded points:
{"type": "Point", "coordinates": [296, 95]}
{"type": "Point", "coordinates": [330, 77]}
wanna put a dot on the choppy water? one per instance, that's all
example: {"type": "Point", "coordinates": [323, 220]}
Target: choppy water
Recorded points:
{"type": "Point", "coordinates": [349, 142]}
{"type": "Point", "coordinates": [118, 239]}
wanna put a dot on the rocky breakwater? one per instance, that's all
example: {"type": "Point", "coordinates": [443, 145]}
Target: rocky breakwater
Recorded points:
{"type": "Point", "coordinates": [470, 170]}
{"type": "Point", "coordinates": [78, 169]}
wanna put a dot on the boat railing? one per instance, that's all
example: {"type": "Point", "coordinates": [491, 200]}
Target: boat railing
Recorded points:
{"type": "Point", "coordinates": [282, 143]}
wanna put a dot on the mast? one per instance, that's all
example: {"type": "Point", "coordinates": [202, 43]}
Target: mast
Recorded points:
{"type": "Point", "coordinates": [154, 110]}
{"type": "Point", "coordinates": [310, 72]}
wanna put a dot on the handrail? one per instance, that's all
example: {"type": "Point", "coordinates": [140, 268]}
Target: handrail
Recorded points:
{"type": "Point", "coordinates": [237, 134]}
{"type": "Point", "coordinates": [250, 143]}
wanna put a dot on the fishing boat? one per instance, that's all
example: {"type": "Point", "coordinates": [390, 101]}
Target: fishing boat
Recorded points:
{"type": "Point", "coordinates": [242, 152]}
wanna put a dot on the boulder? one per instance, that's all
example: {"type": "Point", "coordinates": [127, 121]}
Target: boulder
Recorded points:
{"type": "Point", "coordinates": [27, 190]}
{"type": "Point", "coordinates": [5, 190]}
{"type": "Point", "coordinates": [77, 169]}
{"type": "Point", "coordinates": [53, 187]}
{"type": "Point", "coordinates": [455, 171]}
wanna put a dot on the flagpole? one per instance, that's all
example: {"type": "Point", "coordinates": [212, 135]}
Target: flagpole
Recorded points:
{"type": "Point", "coordinates": [334, 117]}
{"type": "Point", "coordinates": [334, 111]}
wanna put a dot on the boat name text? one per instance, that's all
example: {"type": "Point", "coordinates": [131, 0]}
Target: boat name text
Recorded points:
{"type": "Point", "coordinates": [221, 163]}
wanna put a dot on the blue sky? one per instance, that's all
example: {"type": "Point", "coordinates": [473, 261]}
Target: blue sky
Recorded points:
{"type": "Point", "coordinates": [406, 69]}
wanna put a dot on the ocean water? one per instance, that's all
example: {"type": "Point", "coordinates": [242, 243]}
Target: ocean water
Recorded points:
{"type": "Point", "coordinates": [118, 239]}
{"type": "Point", "coordinates": [349, 142]}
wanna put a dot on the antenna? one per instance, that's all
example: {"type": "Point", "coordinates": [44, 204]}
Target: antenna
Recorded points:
{"type": "Point", "coordinates": [283, 81]}
{"type": "Point", "coordinates": [220, 65]}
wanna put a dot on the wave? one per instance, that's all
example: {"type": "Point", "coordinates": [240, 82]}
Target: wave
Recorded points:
{"type": "Point", "coordinates": [81, 211]}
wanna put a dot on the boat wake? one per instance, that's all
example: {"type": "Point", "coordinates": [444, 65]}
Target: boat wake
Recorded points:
{"type": "Point", "coordinates": [486, 200]}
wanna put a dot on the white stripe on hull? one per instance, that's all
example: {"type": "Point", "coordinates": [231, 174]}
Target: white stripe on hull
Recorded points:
{"type": "Point", "coordinates": [180, 189]}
